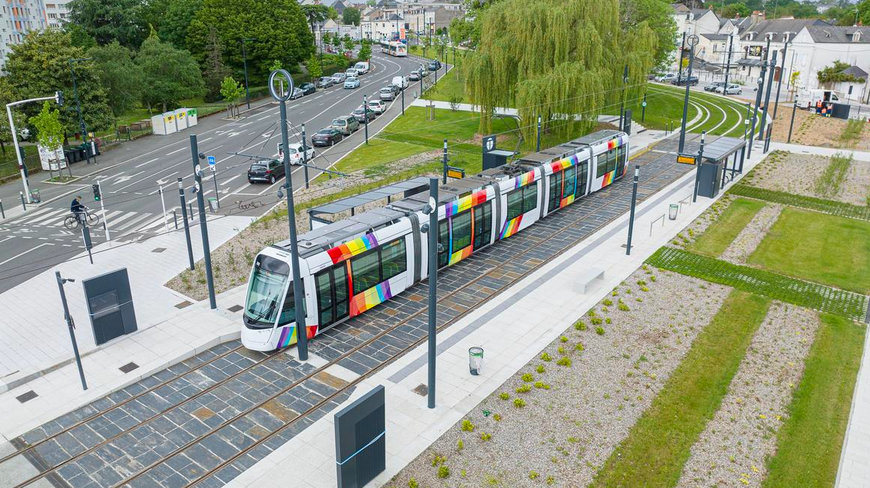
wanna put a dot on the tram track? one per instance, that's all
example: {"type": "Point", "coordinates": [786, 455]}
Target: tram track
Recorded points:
{"type": "Point", "coordinates": [51, 471]}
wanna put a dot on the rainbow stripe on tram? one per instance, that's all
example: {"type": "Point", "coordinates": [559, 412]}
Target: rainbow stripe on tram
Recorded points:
{"type": "Point", "coordinates": [564, 164]}
{"type": "Point", "coordinates": [524, 179]}
{"type": "Point", "coordinates": [370, 298]}
{"type": "Point", "coordinates": [608, 178]}
{"type": "Point", "coordinates": [288, 335]}
{"type": "Point", "coordinates": [352, 248]}
{"type": "Point", "coordinates": [511, 227]}
{"type": "Point", "coordinates": [460, 255]}
{"type": "Point", "coordinates": [462, 204]}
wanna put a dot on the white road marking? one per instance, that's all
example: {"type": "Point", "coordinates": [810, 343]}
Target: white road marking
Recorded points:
{"type": "Point", "coordinates": [176, 151]}
{"type": "Point", "coordinates": [146, 162]}
{"type": "Point", "coordinates": [25, 252]}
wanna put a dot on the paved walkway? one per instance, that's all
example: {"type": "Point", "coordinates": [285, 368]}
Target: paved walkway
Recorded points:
{"type": "Point", "coordinates": [512, 328]}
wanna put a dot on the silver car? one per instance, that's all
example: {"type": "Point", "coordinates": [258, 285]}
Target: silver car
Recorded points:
{"type": "Point", "coordinates": [339, 77]}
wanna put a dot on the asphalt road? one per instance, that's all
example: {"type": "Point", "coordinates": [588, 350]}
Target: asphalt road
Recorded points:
{"type": "Point", "coordinates": [132, 174]}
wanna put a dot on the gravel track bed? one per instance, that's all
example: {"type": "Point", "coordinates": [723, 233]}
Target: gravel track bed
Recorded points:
{"type": "Point", "coordinates": [751, 236]}
{"type": "Point", "coordinates": [856, 188]}
{"type": "Point", "coordinates": [575, 415]}
{"type": "Point", "coordinates": [798, 173]}
{"type": "Point", "coordinates": [698, 226]}
{"type": "Point", "coordinates": [735, 444]}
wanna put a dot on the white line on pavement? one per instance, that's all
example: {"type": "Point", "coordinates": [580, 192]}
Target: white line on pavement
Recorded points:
{"type": "Point", "coordinates": [175, 151]}
{"type": "Point", "coordinates": [25, 252]}
{"type": "Point", "coordinates": [146, 162]}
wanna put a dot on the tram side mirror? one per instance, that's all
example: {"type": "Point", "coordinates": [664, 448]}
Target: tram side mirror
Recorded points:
{"type": "Point", "coordinates": [424, 228]}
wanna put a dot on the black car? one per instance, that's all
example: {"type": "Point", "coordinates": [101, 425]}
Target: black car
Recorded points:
{"type": "Point", "coordinates": [307, 88]}
{"type": "Point", "coordinates": [265, 171]}
{"type": "Point", "coordinates": [326, 137]}
{"type": "Point", "coordinates": [686, 80]}
{"type": "Point", "coordinates": [434, 65]}
{"type": "Point", "coordinates": [361, 116]}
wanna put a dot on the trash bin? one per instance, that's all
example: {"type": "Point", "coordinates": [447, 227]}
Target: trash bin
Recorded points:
{"type": "Point", "coordinates": [213, 204]}
{"type": "Point", "coordinates": [475, 360]}
{"type": "Point", "coordinates": [34, 196]}
{"type": "Point", "coordinates": [673, 209]}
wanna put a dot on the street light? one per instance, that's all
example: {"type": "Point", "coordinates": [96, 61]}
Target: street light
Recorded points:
{"type": "Point", "coordinates": [691, 41]}
{"type": "Point", "coordinates": [58, 97]}
{"type": "Point", "coordinates": [245, 62]}
{"type": "Point", "coordinates": [79, 106]}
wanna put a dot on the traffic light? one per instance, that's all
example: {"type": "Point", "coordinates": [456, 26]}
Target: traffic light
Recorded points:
{"type": "Point", "coordinates": [96, 188]}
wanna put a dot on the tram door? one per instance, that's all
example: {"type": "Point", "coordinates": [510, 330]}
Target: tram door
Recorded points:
{"type": "Point", "coordinates": [332, 295]}
{"type": "Point", "coordinates": [621, 153]}
{"type": "Point", "coordinates": [562, 185]}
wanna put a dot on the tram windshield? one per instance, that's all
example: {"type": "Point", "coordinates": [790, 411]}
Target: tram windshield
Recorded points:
{"type": "Point", "coordinates": [265, 291]}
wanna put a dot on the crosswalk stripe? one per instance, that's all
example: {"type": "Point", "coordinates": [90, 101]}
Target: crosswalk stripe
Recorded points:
{"type": "Point", "coordinates": [131, 225]}
{"type": "Point", "coordinates": [48, 216]}
{"type": "Point", "coordinates": [155, 225]}
{"type": "Point", "coordinates": [41, 211]}
{"type": "Point", "coordinates": [124, 216]}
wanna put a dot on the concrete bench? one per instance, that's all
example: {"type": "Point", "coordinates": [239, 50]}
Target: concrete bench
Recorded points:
{"type": "Point", "coordinates": [588, 276]}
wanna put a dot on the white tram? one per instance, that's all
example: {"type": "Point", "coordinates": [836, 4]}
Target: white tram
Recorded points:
{"type": "Point", "coordinates": [394, 48]}
{"type": "Point", "coordinates": [355, 264]}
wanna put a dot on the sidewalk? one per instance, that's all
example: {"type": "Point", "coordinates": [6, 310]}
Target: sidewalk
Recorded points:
{"type": "Point", "coordinates": [512, 329]}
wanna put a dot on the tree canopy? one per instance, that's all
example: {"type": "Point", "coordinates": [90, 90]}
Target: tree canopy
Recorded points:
{"type": "Point", "coordinates": [106, 21]}
{"type": "Point", "coordinates": [169, 74]}
{"type": "Point", "coordinates": [836, 74]}
{"type": "Point", "coordinates": [657, 16]}
{"type": "Point", "coordinates": [556, 57]}
{"type": "Point", "coordinates": [120, 77]}
{"type": "Point", "coordinates": [176, 21]}
{"type": "Point", "coordinates": [350, 16]}
{"type": "Point", "coordinates": [279, 27]}
{"type": "Point", "coordinates": [49, 130]}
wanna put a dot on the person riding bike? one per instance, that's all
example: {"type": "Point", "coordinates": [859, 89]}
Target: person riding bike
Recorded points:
{"type": "Point", "coordinates": [78, 209]}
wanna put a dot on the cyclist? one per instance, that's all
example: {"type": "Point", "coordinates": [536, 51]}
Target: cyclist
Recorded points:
{"type": "Point", "coordinates": [78, 210]}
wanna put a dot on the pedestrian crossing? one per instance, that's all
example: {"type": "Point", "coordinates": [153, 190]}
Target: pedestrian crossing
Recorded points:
{"type": "Point", "coordinates": [118, 221]}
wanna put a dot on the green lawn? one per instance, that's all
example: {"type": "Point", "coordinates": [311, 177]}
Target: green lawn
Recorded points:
{"type": "Point", "coordinates": [818, 247]}
{"type": "Point", "coordinates": [665, 110]}
{"type": "Point", "coordinates": [658, 445]}
{"type": "Point", "coordinates": [378, 152]}
{"type": "Point", "coordinates": [809, 442]}
{"type": "Point", "coordinates": [719, 236]}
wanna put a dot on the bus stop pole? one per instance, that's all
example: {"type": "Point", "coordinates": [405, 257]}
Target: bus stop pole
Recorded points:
{"type": "Point", "coordinates": [433, 284]}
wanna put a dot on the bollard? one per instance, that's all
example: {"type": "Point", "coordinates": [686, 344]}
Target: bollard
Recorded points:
{"type": "Point", "coordinates": [190, 211]}
{"type": "Point", "coordinates": [175, 218]}
{"type": "Point", "coordinates": [2, 212]}
{"type": "Point", "coordinates": [23, 205]}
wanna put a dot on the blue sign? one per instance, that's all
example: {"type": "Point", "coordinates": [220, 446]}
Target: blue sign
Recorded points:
{"type": "Point", "coordinates": [211, 161]}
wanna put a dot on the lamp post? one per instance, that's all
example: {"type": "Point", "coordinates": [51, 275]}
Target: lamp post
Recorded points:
{"type": "Point", "coordinates": [58, 97]}
{"type": "Point", "coordinates": [70, 323]}
{"type": "Point", "coordinates": [779, 83]}
{"type": "Point", "coordinates": [728, 63]}
{"type": "Point", "coordinates": [772, 63]}
{"type": "Point", "coordinates": [791, 125]}
{"type": "Point", "coordinates": [622, 107]}
{"type": "Point", "coordinates": [691, 41]}
{"type": "Point", "coordinates": [245, 62]}
{"type": "Point", "coordinates": [301, 330]}
{"type": "Point", "coordinates": [79, 106]}
{"type": "Point", "coordinates": [755, 111]}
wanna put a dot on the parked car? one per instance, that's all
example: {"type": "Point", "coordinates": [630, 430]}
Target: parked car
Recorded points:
{"type": "Point", "coordinates": [297, 93]}
{"type": "Point", "coordinates": [308, 88]}
{"type": "Point", "coordinates": [414, 76]}
{"type": "Point", "coordinates": [351, 73]}
{"type": "Point", "coordinates": [338, 77]}
{"type": "Point", "coordinates": [326, 137]}
{"type": "Point", "coordinates": [377, 106]}
{"type": "Point", "coordinates": [351, 82]}
{"type": "Point", "coordinates": [666, 78]}
{"type": "Point", "coordinates": [361, 115]}
{"type": "Point", "coordinates": [325, 82]}
{"type": "Point", "coordinates": [361, 67]}
{"type": "Point", "coordinates": [387, 93]}
{"type": "Point", "coordinates": [346, 124]}
{"type": "Point", "coordinates": [434, 65]}
{"type": "Point", "coordinates": [400, 82]}
{"type": "Point", "coordinates": [265, 171]}
{"type": "Point", "coordinates": [686, 80]}
{"type": "Point", "coordinates": [295, 153]}
{"type": "Point", "coordinates": [713, 86]}
{"type": "Point", "coordinates": [733, 89]}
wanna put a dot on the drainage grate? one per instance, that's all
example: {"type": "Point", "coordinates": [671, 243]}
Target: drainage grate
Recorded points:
{"type": "Point", "coordinates": [183, 304]}
{"type": "Point", "coordinates": [235, 308]}
{"type": "Point", "coordinates": [24, 397]}
{"type": "Point", "coordinates": [421, 390]}
{"type": "Point", "coordinates": [158, 250]}
{"type": "Point", "coordinates": [128, 367]}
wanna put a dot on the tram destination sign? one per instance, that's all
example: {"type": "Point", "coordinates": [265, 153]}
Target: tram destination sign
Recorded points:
{"type": "Point", "coordinates": [687, 159]}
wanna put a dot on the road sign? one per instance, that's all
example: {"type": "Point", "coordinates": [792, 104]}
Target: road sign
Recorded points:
{"type": "Point", "coordinates": [212, 161]}
{"type": "Point", "coordinates": [453, 172]}
{"type": "Point", "coordinates": [686, 158]}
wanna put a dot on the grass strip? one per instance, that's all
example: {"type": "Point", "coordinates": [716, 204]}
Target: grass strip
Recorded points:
{"type": "Point", "coordinates": [790, 290]}
{"type": "Point", "coordinates": [818, 204]}
{"type": "Point", "coordinates": [852, 132]}
{"type": "Point", "coordinates": [831, 180]}
{"type": "Point", "coordinates": [809, 442]}
{"type": "Point", "coordinates": [717, 238]}
{"type": "Point", "coordinates": [659, 444]}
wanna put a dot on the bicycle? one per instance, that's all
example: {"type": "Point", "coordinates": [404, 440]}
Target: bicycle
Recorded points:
{"type": "Point", "coordinates": [73, 221]}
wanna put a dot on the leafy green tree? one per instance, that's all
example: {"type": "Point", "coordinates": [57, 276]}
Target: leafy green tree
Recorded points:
{"type": "Point", "coordinates": [332, 13]}
{"type": "Point", "coordinates": [348, 43]}
{"type": "Point", "coordinates": [79, 37]}
{"type": "Point", "coordinates": [214, 70]}
{"type": "Point", "coordinates": [315, 14]}
{"type": "Point", "coordinates": [170, 74]}
{"type": "Point", "coordinates": [836, 74]}
{"type": "Point", "coordinates": [314, 67]}
{"type": "Point", "coordinates": [863, 11]}
{"type": "Point", "coordinates": [107, 21]}
{"type": "Point", "coordinates": [657, 15]}
{"type": "Point", "coordinates": [39, 65]}
{"type": "Point", "coordinates": [276, 65]}
{"type": "Point", "coordinates": [279, 26]}
{"type": "Point", "coordinates": [176, 21]}
{"type": "Point", "coordinates": [231, 91]}
{"type": "Point", "coordinates": [120, 77]}
{"type": "Point", "coordinates": [49, 130]}
{"type": "Point", "coordinates": [6, 96]}
{"type": "Point", "coordinates": [365, 50]}
{"type": "Point", "coordinates": [350, 15]}
{"type": "Point", "coordinates": [326, 38]}
{"type": "Point", "coordinates": [461, 30]}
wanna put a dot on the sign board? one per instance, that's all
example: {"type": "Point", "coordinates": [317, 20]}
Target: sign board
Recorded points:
{"type": "Point", "coordinates": [51, 160]}
{"type": "Point", "coordinates": [687, 159]}
{"type": "Point", "coordinates": [211, 160]}
{"type": "Point", "coordinates": [110, 305]}
{"type": "Point", "coordinates": [455, 172]}
{"type": "Point", "coordinates": [360, 444]}
{"type": "Point", "coordinates": [755, 51]}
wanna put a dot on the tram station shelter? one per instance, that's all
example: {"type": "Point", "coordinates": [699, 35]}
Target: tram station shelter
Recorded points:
{"type": "Point", "coordinates": [326, 214]}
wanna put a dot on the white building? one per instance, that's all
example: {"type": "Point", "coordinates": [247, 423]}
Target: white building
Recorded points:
{"type": "Point", "coordinates": [817, 47]}
{"type": "Point", "coordinates": [57, 12]}
{"type": "Point", "coordinates": [17, 18]}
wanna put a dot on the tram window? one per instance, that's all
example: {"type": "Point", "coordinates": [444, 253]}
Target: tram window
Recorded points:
{"type": "Point", "coordinates": [444, 240]}
{"type": "Point", "coordinates": [601, 166]}
{"type": "Point", "coordinates": [621, 155]}
{"type": "Point", "coordinates": [340, 291]}
{"type": "Point", "coordinates": [515, 204]}
{"type": "Point", "coordinates": [482, 225]}
{"type": "Point", "coordinates": [582, 176]}
{"type": "Point", "coordinates": [530, 197]}
{"type": "Point", "coordinates": [393, 260]}
{"type": "Point", "coordinates": [366, 271]}
{"type": "Point", "coordinates": [570, 182]}
{"type": "Point", "coordinates": [555, 197]}
{"type": "Point", "coordinates": [461, 231]}
{"type": "Point", "coordinates": [611, 160]}
{"type": "Point", "coordinates": [288, 310]}
{"type": "Point", "coordinates": [324, 297]}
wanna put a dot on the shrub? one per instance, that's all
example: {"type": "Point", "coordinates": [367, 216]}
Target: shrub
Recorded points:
{"type": "Point", "coordinates": [504, 395]}
{"type": "Point", "coordinates": [412, 483]}
{"type": "Point", "coordinates": [496, 417]}
{"type": "Point", "coordinates": [580, 325]}
{"type": "Point", "coordinates": [467, 426]}
{"type": "Point", "coordinates": [607, 302]}
{"type": "Point", "coordinates": [533, 475]}
{"type": "Point", "coordinates": [596, 320]}
{"type": "Point", "coordinates": [564, 361]}
{"type": "Point", "coordinates": [563, 339]}
{"type": "Point", "coordinates": [485, 437]}
{"type": "Point", "coordinates": [443, 471]}
{"type": "Point", "coordinates": [561, 350]}
{"type": "Point", "coordinates": [528, 377]}
{"type": "Point", "coordinates": [608, 321]}
{"type": "Point", "coordinates": [623, 307]}
{"type": "Point", "coordinates": [540, 369]}
{"type": "Point", "coordinates": [546, 357]}
{"type": "Point", "coordinates": [579, 347]}
{"type": "Point", "coordinates": [460, 445]}
{"type": "Point", "coordinates": [438, 459]}
{"type": "Point", "coordinates": [599, 330]}
{"type": "Point", "coordinates": [525, 388]}
{"type": "Point", "coordinates": [519, 402]}
{"type": "Point", "coordinates": [550, 480]}
{"type": "Point", "coordinates": [541, 385]}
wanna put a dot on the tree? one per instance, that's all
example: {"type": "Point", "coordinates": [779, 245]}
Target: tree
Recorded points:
{"type": "Point", "coordinates": [657, 14]}
{"type": "Point", "coordinates": [315, 14]}
{"type": "Point", "coordinates": [836, 74]}
{"type": "Point", "coordinates": [275, 66]}
{"type": "Point", "coordinates": [332, 13]}
{"type": "Point", "coordinates": [461, 30]}
{"type": "Point", "coordinates": [6, 96]}
{"type": "Point", "coordinates": [278, 25]}
{"type": "Point", "coordinates": [231, 91]}
{"type": "Point", "coordinates": [214, 71]}
{"type": "Point", "coordinates": [733, 10]}
{"type": "Point", "coordinates": [49, 130]}
{"type": "Point", "coordinates": [365, 50]}
{"type": "Point", "coordinates": [170, 75]}
{"type": "Point", "coordinates": [314, 68]}
{"type": "Point", "coordinates": [117, 20]}
{"type": "Point", "coordinates": [326, 38]}
{"type": "Point", "coordinates": [40, 65]}
{"type": "Point", "coordinates": [176, 21]}
{"type": "Point", "coordinates": [79, 37]}
{"type": "Point", "coordinates": [120, 77]}
{"type": "Point", "coordinates": [348, 43]}
{"type": "Point", "coordinates": [350, 15]}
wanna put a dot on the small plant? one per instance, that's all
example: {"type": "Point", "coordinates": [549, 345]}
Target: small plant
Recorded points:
{"type": "Point", "coordinates": [639, 299]}
{"type": "Point", "coordinates": [591, 313]}
{"type": "Point", "coordinates": [652, 278]}
{"type": "Point", "coordinates": [561, 350]}
{"type": "Point", "coordinates": [596, 320]}
{"type": "Point", "coordinates": [580, 325]}
{"type": "Point", "coordinates": [579, 347]}
{"type": "Point", "coordinates": [504, 395]}
{"type": "Point", "coordinates": [643, 288]}
{"type": "Point", "coordinates": [525, 388]}
{"type": "Point", "coordinates": [641, 283]}
{"type": "Point", "coordinates": [546, 357]}
{"type": "Point", "coordinates": [533, 475]}
{"type": "Point", "coordinates": [563, 339]}
{"type": "Point", "coordinates": [443, 471]}
{"type": "Point", "coordinates": [485, 437]}
{"type": "Point", "coordinates": [541, 385]}
{"type": "Point", "coordinates": [540, 369]}
{"type": "Point", "coordinates": [607, 302]}
{"type": "Point", "coordinates": [467, 426]}
{"type": "Point", "coordinates": [564, 361]}
{"type": "Point", "coordinates": [497, 417]}
{"type": "Point", "coordinates": [438, 460]}
{"type": "Point", "coordinates": [412, 483]}
{"type": "Point", "coordinates": [460, 445]}
{"type": "Point", "coordinates": [599, 330]}
{"type": "Point", "coordinates": [528, 377]}
{"type": "Point", "coordinates": [623, 307]}
{"type": "Point", "coordinates": [573, 440]}
{"type": "Point", "coordinates": [519, 402]}
{"type": "Point", "coordinates": [608, 321]}
{"type": "Point", "coordinates": [550, 480]}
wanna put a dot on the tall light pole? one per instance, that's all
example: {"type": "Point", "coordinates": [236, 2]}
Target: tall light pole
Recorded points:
{"type": "Point", "coordinates": [761, 134]}
{"type": "Point", "coordinates": [781, 76]}
{"type": "Point", "coordinates": [58, 97]}
{"type": "Point", "coordinates": [70, 323]}
{"type": "Point", "coordinates": [301, 330]}
{"type": "Point", "coordinates": [691, 41]}
{"type": "Point", "coordinates": [622, 107]}
{"type": "Point", "coordinates": [245, 62]}
{"type": "Point", "coordinates": [728, 63]}
{"type": "Point", "coordinates": [79, 106]}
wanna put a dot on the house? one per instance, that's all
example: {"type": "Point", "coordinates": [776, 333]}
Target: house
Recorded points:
{"type": "Point", "coordinates": [816, 47]}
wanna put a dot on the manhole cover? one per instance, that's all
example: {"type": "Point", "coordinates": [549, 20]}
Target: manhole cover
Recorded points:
{"type": "Point", "coordinates": [159, 249]}
{"type": "Point", "coordinates": [421, 390]}
{"type": "Point", "coordinates": [24, 397]}
{"type": "Point", "coordinates": [235, 308]}
{"type": "Point", "coordinates": [128, 367]}
{"type": "Point", "coordinates": [183, 304]}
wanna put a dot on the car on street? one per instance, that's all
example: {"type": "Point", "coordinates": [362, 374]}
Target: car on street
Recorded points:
{"type": "Point", "coordinates": [434, 65]}
{"type": "Point", "coordinates": [297, 93]}
{"type": "Point", "coordinates": [377, 106]}
{"type": "Point", "coordinates": [296, 153]}
{"type": "Point", "coordinates": [666, 78]}
{"type": "Point", "coordinates": [400, 82]}
{"type": "Point", "coordinates": [361, 115]}
{"type": "Point", "coordinates": [265, 171]}
{"type": "Point", "coordinates": [308, 88]}
{"type": "Point", "coordinates": [414, 76]}
{"type": "Point", "coordinates": [351, 82]}
{"type": "Point", "coordinates": [351, 73]}
{"type": "Point", "coordinates": [362, 67]}
{"type": "Point", "coordinates": [387, 93]}
{"type": "Point", "coordinates": [733, 89]}
{"type": "Point", "coordinates": [338, 77]}
{"type": "Point", "coordinates": [346, 124]}
{"type": "Point", "coordinates": [685, 80]}
{"type": "Point", "coordinates": [326, 137]}
{"type": "Point", "coordinates": [712, 86]}
{"type": "Point", "coordinates": [325, 82]}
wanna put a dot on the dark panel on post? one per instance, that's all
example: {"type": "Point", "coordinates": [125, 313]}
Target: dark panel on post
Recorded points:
{"type": "Point", "coordinates": [709, 176]}
{"type": "Point", "coordinates": [110, 305]}
{"type": "Point", "coordinates": [360, 441]}
{"type": "Point", "coordinates": [626, 122]}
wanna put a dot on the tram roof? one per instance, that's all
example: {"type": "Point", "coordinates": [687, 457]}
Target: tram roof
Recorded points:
{"type": "Point", "coordinates": [570, 147]}
{"type": "Point", "coordinates": [722, 147]}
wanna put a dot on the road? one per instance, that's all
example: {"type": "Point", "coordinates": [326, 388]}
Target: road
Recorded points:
{"type": "Point", "coordinates": [132, 175]}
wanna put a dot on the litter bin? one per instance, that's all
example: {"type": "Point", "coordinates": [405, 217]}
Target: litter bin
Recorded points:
{"type": "Point", "coordinates": [475, 360]}
{"type": "Point", "coordinates": [213, 204]}
{"type": "Point", "coordinates": [673, 209]}
{"type": "Point", "coordinates": [34, 196]}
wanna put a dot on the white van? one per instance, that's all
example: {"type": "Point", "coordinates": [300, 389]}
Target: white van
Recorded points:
{"type": "Point", "coordinates": [400, 81]}
{"type": "Point", "coordinates": [809, 98]}
{"type": "Point", "coordinates": [361, 67]}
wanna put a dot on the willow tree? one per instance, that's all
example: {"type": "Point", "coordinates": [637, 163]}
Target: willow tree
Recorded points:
{"type": "Point", "coordinates": [560, 59]}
